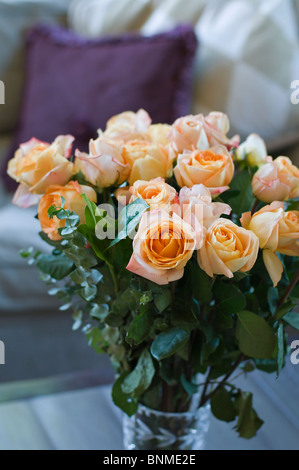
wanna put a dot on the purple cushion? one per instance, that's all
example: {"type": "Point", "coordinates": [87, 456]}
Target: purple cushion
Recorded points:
{"type": "Point", "coordinates": [74, 85]}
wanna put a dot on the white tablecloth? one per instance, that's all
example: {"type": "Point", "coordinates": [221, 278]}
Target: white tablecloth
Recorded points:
{"type": "Point", "coordinates": [87, 419]}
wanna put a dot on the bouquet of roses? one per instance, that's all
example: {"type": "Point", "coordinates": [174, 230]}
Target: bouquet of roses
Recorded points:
{"type": "Point", "coordinates": [178, 250]}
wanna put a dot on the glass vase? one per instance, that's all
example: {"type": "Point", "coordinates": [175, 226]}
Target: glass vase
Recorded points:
{"type": "Point", "coordinates": [155, 430]}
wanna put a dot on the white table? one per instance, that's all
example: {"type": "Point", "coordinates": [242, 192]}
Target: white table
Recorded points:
{"type": "Point", "coordinates": [87, 418]}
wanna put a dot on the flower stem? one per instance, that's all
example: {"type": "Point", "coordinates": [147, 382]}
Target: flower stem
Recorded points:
{"type": "Point", "coordinates": [255, 206]}
{"type": "Point", "coordinates": [204, 399]}
{"type": "Point", "coordinates": [114, 278]}
{"type": "Point", "coordinates": [289, 290]}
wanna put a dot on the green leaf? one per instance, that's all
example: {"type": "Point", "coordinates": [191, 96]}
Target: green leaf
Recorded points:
{"type": "Point", "coordinates": [57, 267]}
{"type": "Point", "coordinates": [90, 211]}
{"type": "Point", "coordinates": [88, 292]}
{"type": "Point", "coordinates": [98, 246]}
{"type": "Point", "coordinates": [127, 301]}
{"type": "Point", "coordinates": [50, 242]}
{"type": "Point", "coordinates": [272, 297]}
{"type": "Point", "coordinates": [280, 347]}
{"type": "Point", "coordinates": [256, 338]}
{"type": "Point", "coordinates": [124, 401]}
{"type": "Point", "coordinates": [266, 365]}
{"type": "Point", "coordinates": [292, 319]}
{"type": "Point", "coordinates": [189, 387]}
{"type": "Point", "coordinates": [284, 309]}
{"type": "Point", "coordinates": [245, 199]}
{"type": "Point", "coordinates": [202, 285]}
{"type": "Point", "coordinates": [222, 406]}
{"type": "Point", "coordinates": [99, 311]}
{"type": "Point", "coordinates": [228, 298]}
{"type": "Point", "coordinates": [162, 299]}
{"type": "Point", "coordinates": [141, 377]}
{"type": "Point", "coordinates": [166, 344]}
{"type": "Point", "coordinates": [140, 327]}
{"type": "Point", "coordinates": [129, 218]}
{"type": "Point", "coordinates": [248, 421]}
{"type": "Point", "coordinates": [224, 321]}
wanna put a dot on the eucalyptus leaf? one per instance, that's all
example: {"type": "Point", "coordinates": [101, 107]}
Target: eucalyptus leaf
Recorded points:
{"type": "Point", "coordinates": [129, 218]}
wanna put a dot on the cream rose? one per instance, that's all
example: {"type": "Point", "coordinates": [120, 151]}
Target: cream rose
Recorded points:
{"type": "Point", "coordinates": [105, 165]}
{"type": "Point", "coordinates": [147, 161]}
{"type": "Point", "coordinates": [158, 134]}
{"type": "Point", "coordinates": [37, 165]}
{"type": "Point", "coordinates": [277, 231]}
{"type": "Point", "coordinates": [214, 168]}
{"type": "Point", "coordinates": [127, 126]}
{"type": "Point", "coordinates": [277, 180]}
{"type": "Point", "coordinates": [156, 193]}
{"type": "Point", "coordinates": [162, 247]}
{"type": "Point", "coordinates": [253, 150]}
{"type": "Point", "coordinates": [227, 248]}
{"type": "Point", "coordinates": [73, 202]}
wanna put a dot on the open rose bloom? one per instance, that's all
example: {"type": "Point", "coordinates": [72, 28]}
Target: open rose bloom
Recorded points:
{"type": "Point", "coordinates": [179, 250]}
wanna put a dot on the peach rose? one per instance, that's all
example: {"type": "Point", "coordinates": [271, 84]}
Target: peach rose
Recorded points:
{"type": "Point", "coordinates": [127, 126]}
{"type": "Point", "coordinates": [147, 161]}
{"type": "Point", "coordinates": [105, 165]}
{"type": "Point", "coordinates": [199, 132]}
{"type": "Point", "coordinates": [227, 248]}
{"type": "Point", "coordinates": [277, 180]}
{"type": "Point", "coordinates": [214, 168]}
{"type": "Point", "coordinates": [197, 206]}
{"type": "Point", "coordinates": [188, 133]}
{"type": "Point", "coordinates": [253, 150]}
{"type": "Point", "coordinates": [73, 202]}
{"type": "Point", "coordinates": [156, 193]}
{"type": "Point", "coordinates": [37, 165]}
{"type": "Point", "coordinates": [162, 247]}
{"type": "Point", "coordinates": [278, 231]}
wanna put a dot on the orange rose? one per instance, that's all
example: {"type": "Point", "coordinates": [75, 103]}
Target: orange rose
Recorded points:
{"type": "Point", "coordinates": [147, 161]}
{"type": "Point", "coordinates": [214, 168]}
{"type": "Point", "coordinates": [156, 193]}
{"type": "Point", "coordinates": [277, 180]}
{"type": "Point", "coordinates": [73, 202]}
{"type": "Point", "coordinates": [162, 247]}
{"type": "Point", "coordinates": [227, 248]}
{"type": "Point", "coordinates": [37, 165]}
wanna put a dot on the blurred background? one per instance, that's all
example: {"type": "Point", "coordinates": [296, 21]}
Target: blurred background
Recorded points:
{"type": "Point", "coordinates": [79, 69]}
